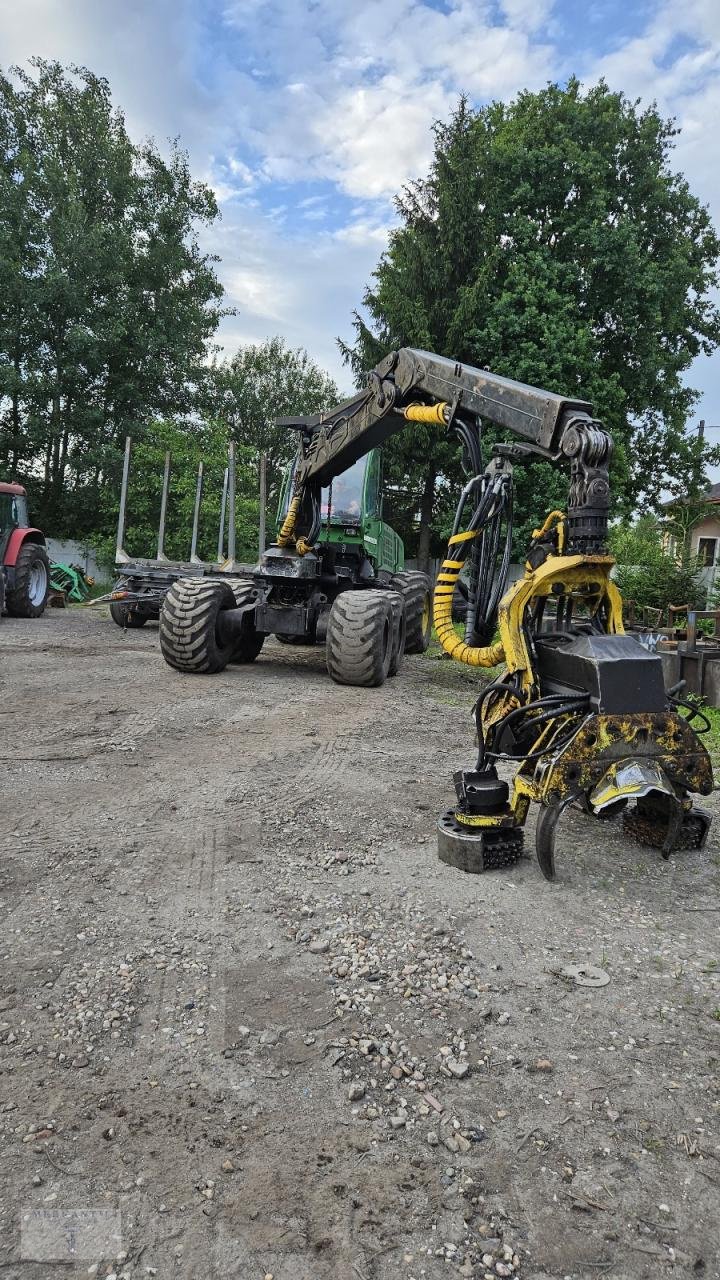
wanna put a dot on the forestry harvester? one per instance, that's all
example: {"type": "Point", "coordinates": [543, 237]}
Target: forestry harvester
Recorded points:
{"type": "Point", "coordinates": [579, 705]}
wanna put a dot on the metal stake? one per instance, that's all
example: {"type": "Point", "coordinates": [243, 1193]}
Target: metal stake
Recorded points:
{"type": "Point", "coordinates": [263, 502]}
{"type": "Point", "coordinates": [231, 505]}
{"type": "Point", "coordinates": [221, 531]}
{"type": "Point", "coordinates": [163, 510]}
{"type": "Point", "coordinates": [196, 515]}
{"type": "Point", "coordinates": [121, 556]}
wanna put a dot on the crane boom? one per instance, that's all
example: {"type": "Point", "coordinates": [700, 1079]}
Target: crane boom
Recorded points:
{"type": "Point", "coordinates": [553, 427]}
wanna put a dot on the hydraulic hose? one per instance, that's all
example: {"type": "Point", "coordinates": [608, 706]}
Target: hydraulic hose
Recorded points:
{"type": "Point", "coordinates": [286, 534]}
{"type": "Point", "coordinates": [551, 707]}
{"type": "Point", "coordinates": [494, 500]}
{"type": "Point", "coordinates": [485, 656]}
{"type": "Point", "coordinates": [427, 413]}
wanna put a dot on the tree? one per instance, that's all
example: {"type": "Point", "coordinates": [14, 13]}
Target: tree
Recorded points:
{"type": "Point", "coordinates": [552, 242]}
{"type": "Point", "coordinates": [106, 302]}
{"type": "Point", "coordinates": [264, 382]}
{"type": "Point", "coordinates": [647, 574]}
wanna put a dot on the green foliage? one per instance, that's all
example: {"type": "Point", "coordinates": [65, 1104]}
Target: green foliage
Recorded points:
{"type": "Point", "coordinates": [107, 303]}
{"type": "Point", "coordinates": [206, 443]}
{"type": "Point", "coordinates": [551, 242]}
{"type": "Point", "coordinates": [647, 574]}
{"type": "Point", "coordinates": [264, 382]}
{"type": "Point", "coordinates": [681, 517]}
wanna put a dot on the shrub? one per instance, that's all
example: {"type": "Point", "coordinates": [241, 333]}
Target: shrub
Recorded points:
{"type": "Point", "coordinates": [647, 574]}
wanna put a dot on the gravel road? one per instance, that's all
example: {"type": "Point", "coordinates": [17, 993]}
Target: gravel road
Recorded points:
{"type": "Point", "coordinates": [251, 1027]}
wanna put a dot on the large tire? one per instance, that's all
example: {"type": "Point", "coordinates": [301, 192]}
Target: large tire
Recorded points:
{"type": "Point", "coordinates": [399, 632]}
{"type": "Point", "coordinates": [125, 615]}
{"type": "Point", "coordinates": [415, 589]}
{"type": "Point", "coordinates": [251, 641]}
{"type": "Point", "coordinates": [28, 597]}
{"type": "Point", "coordinates": [189, 638]}
{"type": "Point", "coordinates": [359, 641]}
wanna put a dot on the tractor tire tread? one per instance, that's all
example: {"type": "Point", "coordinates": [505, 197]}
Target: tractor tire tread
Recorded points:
{"type": "Point", "coordinates": [123, 616]}
{"type": "Point", "coordinates": [415, 589]}
{"type": "Point", "coordinates": [359, 638]}
{"type": "Point", "coordinates": [188, 637]}
{"type": "Point", "coordinates": [17, 600]}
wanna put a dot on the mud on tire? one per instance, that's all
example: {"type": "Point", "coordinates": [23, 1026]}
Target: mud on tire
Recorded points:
{"type": "Point", "coordinates": [28, 597]}
{"type": "Point", "coordinates": [189, 637]}
{"type": "Point", "coordinates": [415, 589]}
{"type": "Point", "coordinates": [359, 641]}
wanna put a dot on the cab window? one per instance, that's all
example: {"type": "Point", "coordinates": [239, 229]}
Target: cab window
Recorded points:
{"type": "Point", "coordinates": [9, 512]}
{"type": "Point", "coordinates": [344, 502]}
{"type": "Point", "coordinates": [372, 484]}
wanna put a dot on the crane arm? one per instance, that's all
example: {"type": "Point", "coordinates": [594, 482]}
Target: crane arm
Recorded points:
{"type": "Point", "coordinates": [417, 385]}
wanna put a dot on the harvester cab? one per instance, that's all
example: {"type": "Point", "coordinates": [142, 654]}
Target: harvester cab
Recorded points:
{"type": "Point", "coordinates": [24, 564]}
{"type": "Point", "coordinates": [353, 530]}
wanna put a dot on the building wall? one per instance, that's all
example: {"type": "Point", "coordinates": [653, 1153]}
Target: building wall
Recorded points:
{"type": "Point", "coordinates": [75, 553]}
{"type": "Point", "coordinates": [708, 528]}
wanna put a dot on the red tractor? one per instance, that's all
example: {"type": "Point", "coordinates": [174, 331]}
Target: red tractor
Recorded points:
{"type": "Point", "coordinates": [24, 564]}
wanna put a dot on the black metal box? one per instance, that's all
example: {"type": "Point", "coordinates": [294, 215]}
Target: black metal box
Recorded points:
{"type": "Point", "coordinates": [618, 673]}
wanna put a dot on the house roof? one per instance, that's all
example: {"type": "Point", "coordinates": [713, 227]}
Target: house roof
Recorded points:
{"type": "Point", "coordinates": [713, 493]}
{"type": "Point", "coordinates": [19, 492]}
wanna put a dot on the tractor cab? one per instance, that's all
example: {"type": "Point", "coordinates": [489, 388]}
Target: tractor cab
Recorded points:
{"type": "Point", "coordinates": [351, 511]}
{"type": "Point", "coordinates": [13, 510]}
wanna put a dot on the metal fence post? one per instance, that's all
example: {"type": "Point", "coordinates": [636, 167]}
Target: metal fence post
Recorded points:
{"type": "Point", "coordinates": [196, 515]}
{"type": "Point", "coordinates": [163, 510]}
{"type": "Point", "coordinates": [121, 556]}
{"type": "Point", "coordinates": [263, 501]}
{"type": "Point", "coordinates": [231, 504]}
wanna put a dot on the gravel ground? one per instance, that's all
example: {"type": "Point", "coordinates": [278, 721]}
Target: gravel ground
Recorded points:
{"type": "Point", "coordinates": [250, 1026]}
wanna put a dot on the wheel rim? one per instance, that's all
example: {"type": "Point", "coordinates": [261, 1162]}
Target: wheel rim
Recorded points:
{"type": "Point", "coordinates": [38, 582]}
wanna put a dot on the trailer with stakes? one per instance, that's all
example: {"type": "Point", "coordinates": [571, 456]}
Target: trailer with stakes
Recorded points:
{"type": "Point", "coordinates": [141, 584]}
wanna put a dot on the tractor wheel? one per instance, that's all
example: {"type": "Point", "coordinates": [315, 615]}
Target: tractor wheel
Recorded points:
{"type": "Point", "coordinates": [189, 637]}
{"type": "Point", "coordinates": [123, 615]}
{"type": "Point", "coordinates": [28, 597]}
{"type": "Point", "coordinates": [359, 641]}
{"type": "Point", "coordinates": [251, 641]}
{"type": "Point", "coordinates": [399, 632]}
{"type": "Point", "coordinates": [414, 587]}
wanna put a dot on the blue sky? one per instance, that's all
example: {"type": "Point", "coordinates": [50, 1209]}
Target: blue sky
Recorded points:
{"type": "Point", "coordinates": [307, 117]}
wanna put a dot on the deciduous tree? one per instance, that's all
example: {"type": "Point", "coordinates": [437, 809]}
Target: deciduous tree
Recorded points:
{"type": "Point", "coordinates": [107, 302]}
{"type": "Point", "coordinates": [265, 381]}
{"type": "Point", "coordinates": [553, 242]}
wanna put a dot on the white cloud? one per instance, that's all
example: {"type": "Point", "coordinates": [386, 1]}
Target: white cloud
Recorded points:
{"type": "Point", "coordinates": [305, 287]}
{"type": "Point", "coordinates": [374, 78]}
{"type": "Point", "coordinates": [527, 15]}
{"type": "Point", "coordinates": [285, 92]}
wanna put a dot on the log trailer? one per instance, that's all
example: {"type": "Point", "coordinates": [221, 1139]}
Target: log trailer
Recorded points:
{"type": "Point", "coordinates": [141, 583]}
{"type": "Point", "coordinates": [576, 703]}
